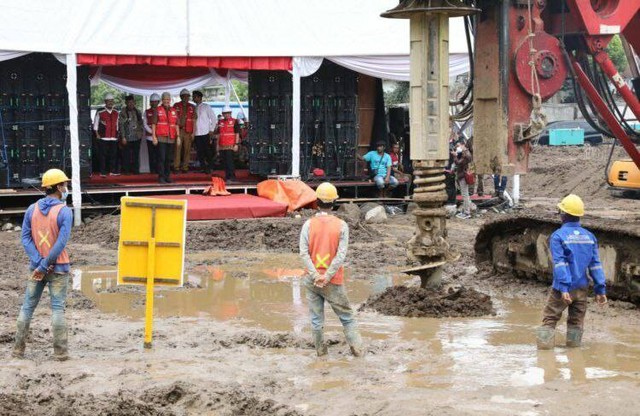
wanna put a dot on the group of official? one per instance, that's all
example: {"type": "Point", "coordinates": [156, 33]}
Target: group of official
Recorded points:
{"type": "Point", "coordinates": [170, 131]}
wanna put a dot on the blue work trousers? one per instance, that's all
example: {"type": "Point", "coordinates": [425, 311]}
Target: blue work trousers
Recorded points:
{"type": "Point", "coordinates": [336, 297]}
{"type": "Point", "coordinates": [57, 292]}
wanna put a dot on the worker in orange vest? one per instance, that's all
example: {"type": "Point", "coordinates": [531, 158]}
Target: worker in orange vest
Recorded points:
{"type": "Point", "coordinates": [324, 241]}
{"type": "Point", "coordinates": [46, 228]}
{"type": "Point", "coordinates": [228, 135]}
{"type": "Point", "coordinates": [186, 120]}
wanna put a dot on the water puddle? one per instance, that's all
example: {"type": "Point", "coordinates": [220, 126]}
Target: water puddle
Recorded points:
{"type": "Point", "coordinates": [462, 353]}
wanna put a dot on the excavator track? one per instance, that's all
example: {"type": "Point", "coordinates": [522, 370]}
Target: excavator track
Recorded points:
{"type": "Point", "coordinates": [519, 244]}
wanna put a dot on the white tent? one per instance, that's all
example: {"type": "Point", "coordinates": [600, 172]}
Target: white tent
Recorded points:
{"type": "Point", "coordinates": [350, 33]}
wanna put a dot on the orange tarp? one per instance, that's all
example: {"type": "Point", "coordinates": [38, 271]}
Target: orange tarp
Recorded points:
{"type": "Point", "coordinates": [217, 188]}
{"type": "Point", "coordinates": [294, 194]}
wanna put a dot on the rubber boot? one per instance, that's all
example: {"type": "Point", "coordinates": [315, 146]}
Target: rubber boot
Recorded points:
{"type": "Point", "coordinates": [546, 338]}
{"type": "Point", "coordinates": [355, 342]}
{"type": "Point", "coordinates": [60, 343]}
{"type": "Point", "coordinates": [22, 331]}
{"type": "Point", "coordinates": [574, 337]}
{"type": "Point", "coordinates": [318, 342]}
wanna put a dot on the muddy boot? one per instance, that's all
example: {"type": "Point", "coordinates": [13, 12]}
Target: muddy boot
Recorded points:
{"type": "Point", "coordinates": [355, 342]}
{"type": "Point", "coordinates": [318, 342]}
{"type": "Point", "coordinates": [22, 330]}
{"type": "Point", "coordinates": [574, 337]}
{"type": "Point", "coordinates": [546, 338]}
{"type": "Point", "coordinates": [60, 343]}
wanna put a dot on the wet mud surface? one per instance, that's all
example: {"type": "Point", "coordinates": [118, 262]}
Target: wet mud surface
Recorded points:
{"type": "Point", "coordinates": [416, 302]}
{"type": "Point", "coordinates": [236, 339]}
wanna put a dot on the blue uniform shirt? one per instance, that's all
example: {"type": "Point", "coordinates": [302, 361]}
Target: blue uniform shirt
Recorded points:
{"type": "Point", "coordinates": [379, 164]}
{"type": "Point", "coordinates": [575, 253]}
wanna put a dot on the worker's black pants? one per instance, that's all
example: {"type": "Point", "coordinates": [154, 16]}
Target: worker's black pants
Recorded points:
{"type": "Point", "coordinates": [131, 157]}
{"type": "Point", "coordinates": [153, 156]}
{"type": "Point", "coordinates": [205, 152]}
{"type": "Point", "coordinates": [165, 159]}
{"type": "Point", "coordinates": [450, 184]}
{"type": "Point", "coordinates": [108, 153]}
{"type": "Point", "coordinates": [229, 168]}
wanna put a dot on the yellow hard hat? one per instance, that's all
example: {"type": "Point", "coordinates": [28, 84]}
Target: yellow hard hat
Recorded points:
{"type": "Point", "coordinates": [53, 177]}
{"type": "Point", "coordinates": [572, 205]}
{"type": "Point", "coordinates": [326, 192]}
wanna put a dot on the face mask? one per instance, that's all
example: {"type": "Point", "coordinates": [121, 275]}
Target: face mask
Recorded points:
{"type": "Point", "coordinates": [65, 194]}
{"type": "Point", "coordinates": [458, 150]}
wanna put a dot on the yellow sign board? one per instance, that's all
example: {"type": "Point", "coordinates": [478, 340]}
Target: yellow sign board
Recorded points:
{"type": "Point", "coordinates": [151, 247]}
{"type": "Point", "coordinates": [141, 219]}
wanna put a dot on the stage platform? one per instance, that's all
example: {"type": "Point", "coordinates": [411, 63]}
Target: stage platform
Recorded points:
{"type": "Point", "coordinates": [235, 206]}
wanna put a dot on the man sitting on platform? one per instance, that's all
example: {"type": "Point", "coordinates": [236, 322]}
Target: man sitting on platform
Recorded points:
{"type": "Point", "coordinates": [380, 168]}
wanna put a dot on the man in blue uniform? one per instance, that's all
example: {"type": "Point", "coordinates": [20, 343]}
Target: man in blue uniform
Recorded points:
{"type": "Point", "coordinates": [575, 260]}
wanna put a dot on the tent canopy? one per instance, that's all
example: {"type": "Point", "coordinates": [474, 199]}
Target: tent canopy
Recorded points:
{"type": "Point", "coordinates": [209, 28]}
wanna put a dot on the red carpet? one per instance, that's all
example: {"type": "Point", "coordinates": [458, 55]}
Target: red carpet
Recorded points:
{"type": "Point", "coordinates": [200, 207]}
{"type": "Point", "coordinates": [143, 179]}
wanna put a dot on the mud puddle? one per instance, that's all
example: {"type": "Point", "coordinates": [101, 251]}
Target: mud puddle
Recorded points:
{"type": "Point", "coordinates": [452, 353]}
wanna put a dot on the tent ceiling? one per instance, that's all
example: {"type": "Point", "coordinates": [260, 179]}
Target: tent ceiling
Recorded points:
{"type": "Point", "coordinates": [209, 28]}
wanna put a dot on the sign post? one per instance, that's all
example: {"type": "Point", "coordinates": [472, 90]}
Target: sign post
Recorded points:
{"type": "Point", "coordinates": [151, 248]}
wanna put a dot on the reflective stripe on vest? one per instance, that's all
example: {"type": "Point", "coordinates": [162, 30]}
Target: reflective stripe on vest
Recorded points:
{"type": "Point", "coordinates": [167, 120]}
{"type": "Point", "coordinates": [226, 130]}
{"type": "Point", "coordinates": [189, 117]}
{"type": "Point", "coordinates": [108, 125]}
{"type": "Point", "coordinates": [44, 232]}
{"type": "Point", "coordinates": [324, 239]}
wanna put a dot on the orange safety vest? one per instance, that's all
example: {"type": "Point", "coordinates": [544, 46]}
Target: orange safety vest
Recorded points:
{"type": "Point", "coordinates": [44, 232]}
{"type": "Point", "coordinates": [324, 238]}
{"type": "Point", "coordinates": [189, 117]}
{"type": "Point", "coordinates": [226, 131]}
{"type": "Point", "coordinates": [167, 120]}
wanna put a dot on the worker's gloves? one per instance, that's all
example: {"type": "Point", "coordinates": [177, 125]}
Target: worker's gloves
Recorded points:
{"type": "Point", "coordinates": [566, 297]}
{"type": "Point", "coordinates": [601, 300]}
{"type": "Point", "coordinates": [319, 280]}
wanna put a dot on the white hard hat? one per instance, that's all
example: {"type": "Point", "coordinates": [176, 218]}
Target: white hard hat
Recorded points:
{"type": "Point", "coordinates": [166, 95]}
{"type": "Point", "coordinates": [154, 97]}
{"type": "Point", "coordinates": [226, 109]}
{"type": "Point", "coordinates": [108, 96]}
{"type": "Point", "coordinates": [184, 92]}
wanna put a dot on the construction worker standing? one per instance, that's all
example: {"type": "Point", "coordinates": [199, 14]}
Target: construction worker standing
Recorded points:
{"type": "Point", "coordinates": [575, 259]}
{"type": "Point", "coordinates": [45, 232]}
{"type": "Point", "coordinates": [324, 241]}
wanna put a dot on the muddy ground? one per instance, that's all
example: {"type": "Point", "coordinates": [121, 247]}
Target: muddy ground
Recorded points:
{"type": "Point", "coordinates": [248, 351]}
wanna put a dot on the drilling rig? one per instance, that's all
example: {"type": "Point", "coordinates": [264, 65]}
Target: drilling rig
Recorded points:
{"type": "Point", "coordinates": [524, 51]}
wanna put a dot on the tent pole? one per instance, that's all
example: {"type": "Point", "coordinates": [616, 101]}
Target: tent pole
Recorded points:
{"type": "Point", "coordinates": [295, 122]}
{"type": "Point", "coordinates": [76, 192]}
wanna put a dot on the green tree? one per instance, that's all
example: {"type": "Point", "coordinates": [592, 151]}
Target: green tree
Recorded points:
{"type": "Point", "coordinates": [242, 90]}
{"type": "Point", "coordinates": [99, 91]}
{"type": "Point", "coordinates": [616, 52]}
{"type": "Point", "coordinates": [399, 95]}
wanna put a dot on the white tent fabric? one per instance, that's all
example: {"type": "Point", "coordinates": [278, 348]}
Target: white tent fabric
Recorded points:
{"type": "Point", "coordinates": [209, 28]}
{"type": "Point", "coordinates": [6, 55]}
{"type": "Point", "coordinates": [149, 87]}
{"type": "Point", "coordinates": [380, 66]}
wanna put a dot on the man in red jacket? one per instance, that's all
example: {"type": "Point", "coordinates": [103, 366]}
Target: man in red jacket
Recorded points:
{"type": "Point", "coordinates": [228, 134]}
{"type": "Point", "coordinates": [165, 135]}
{"type": "Point", "coordinates": [105, 126]}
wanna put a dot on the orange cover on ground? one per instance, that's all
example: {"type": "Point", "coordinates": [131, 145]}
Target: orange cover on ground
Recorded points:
{"type": "Point", "coordinates": [295, 194]}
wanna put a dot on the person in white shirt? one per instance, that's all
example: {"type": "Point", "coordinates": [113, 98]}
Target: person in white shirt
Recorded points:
{"type": "Point", "coordinates": [105, 126]}
{"type": "Point", "coordinates": [205, 125]}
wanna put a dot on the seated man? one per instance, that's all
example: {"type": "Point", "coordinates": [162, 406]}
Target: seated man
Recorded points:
{"type": "Point", "coordinates": [380, 168]}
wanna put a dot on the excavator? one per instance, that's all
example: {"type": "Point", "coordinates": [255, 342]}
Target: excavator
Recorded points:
{"type": "Point", "coordinates": [523, 52]}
